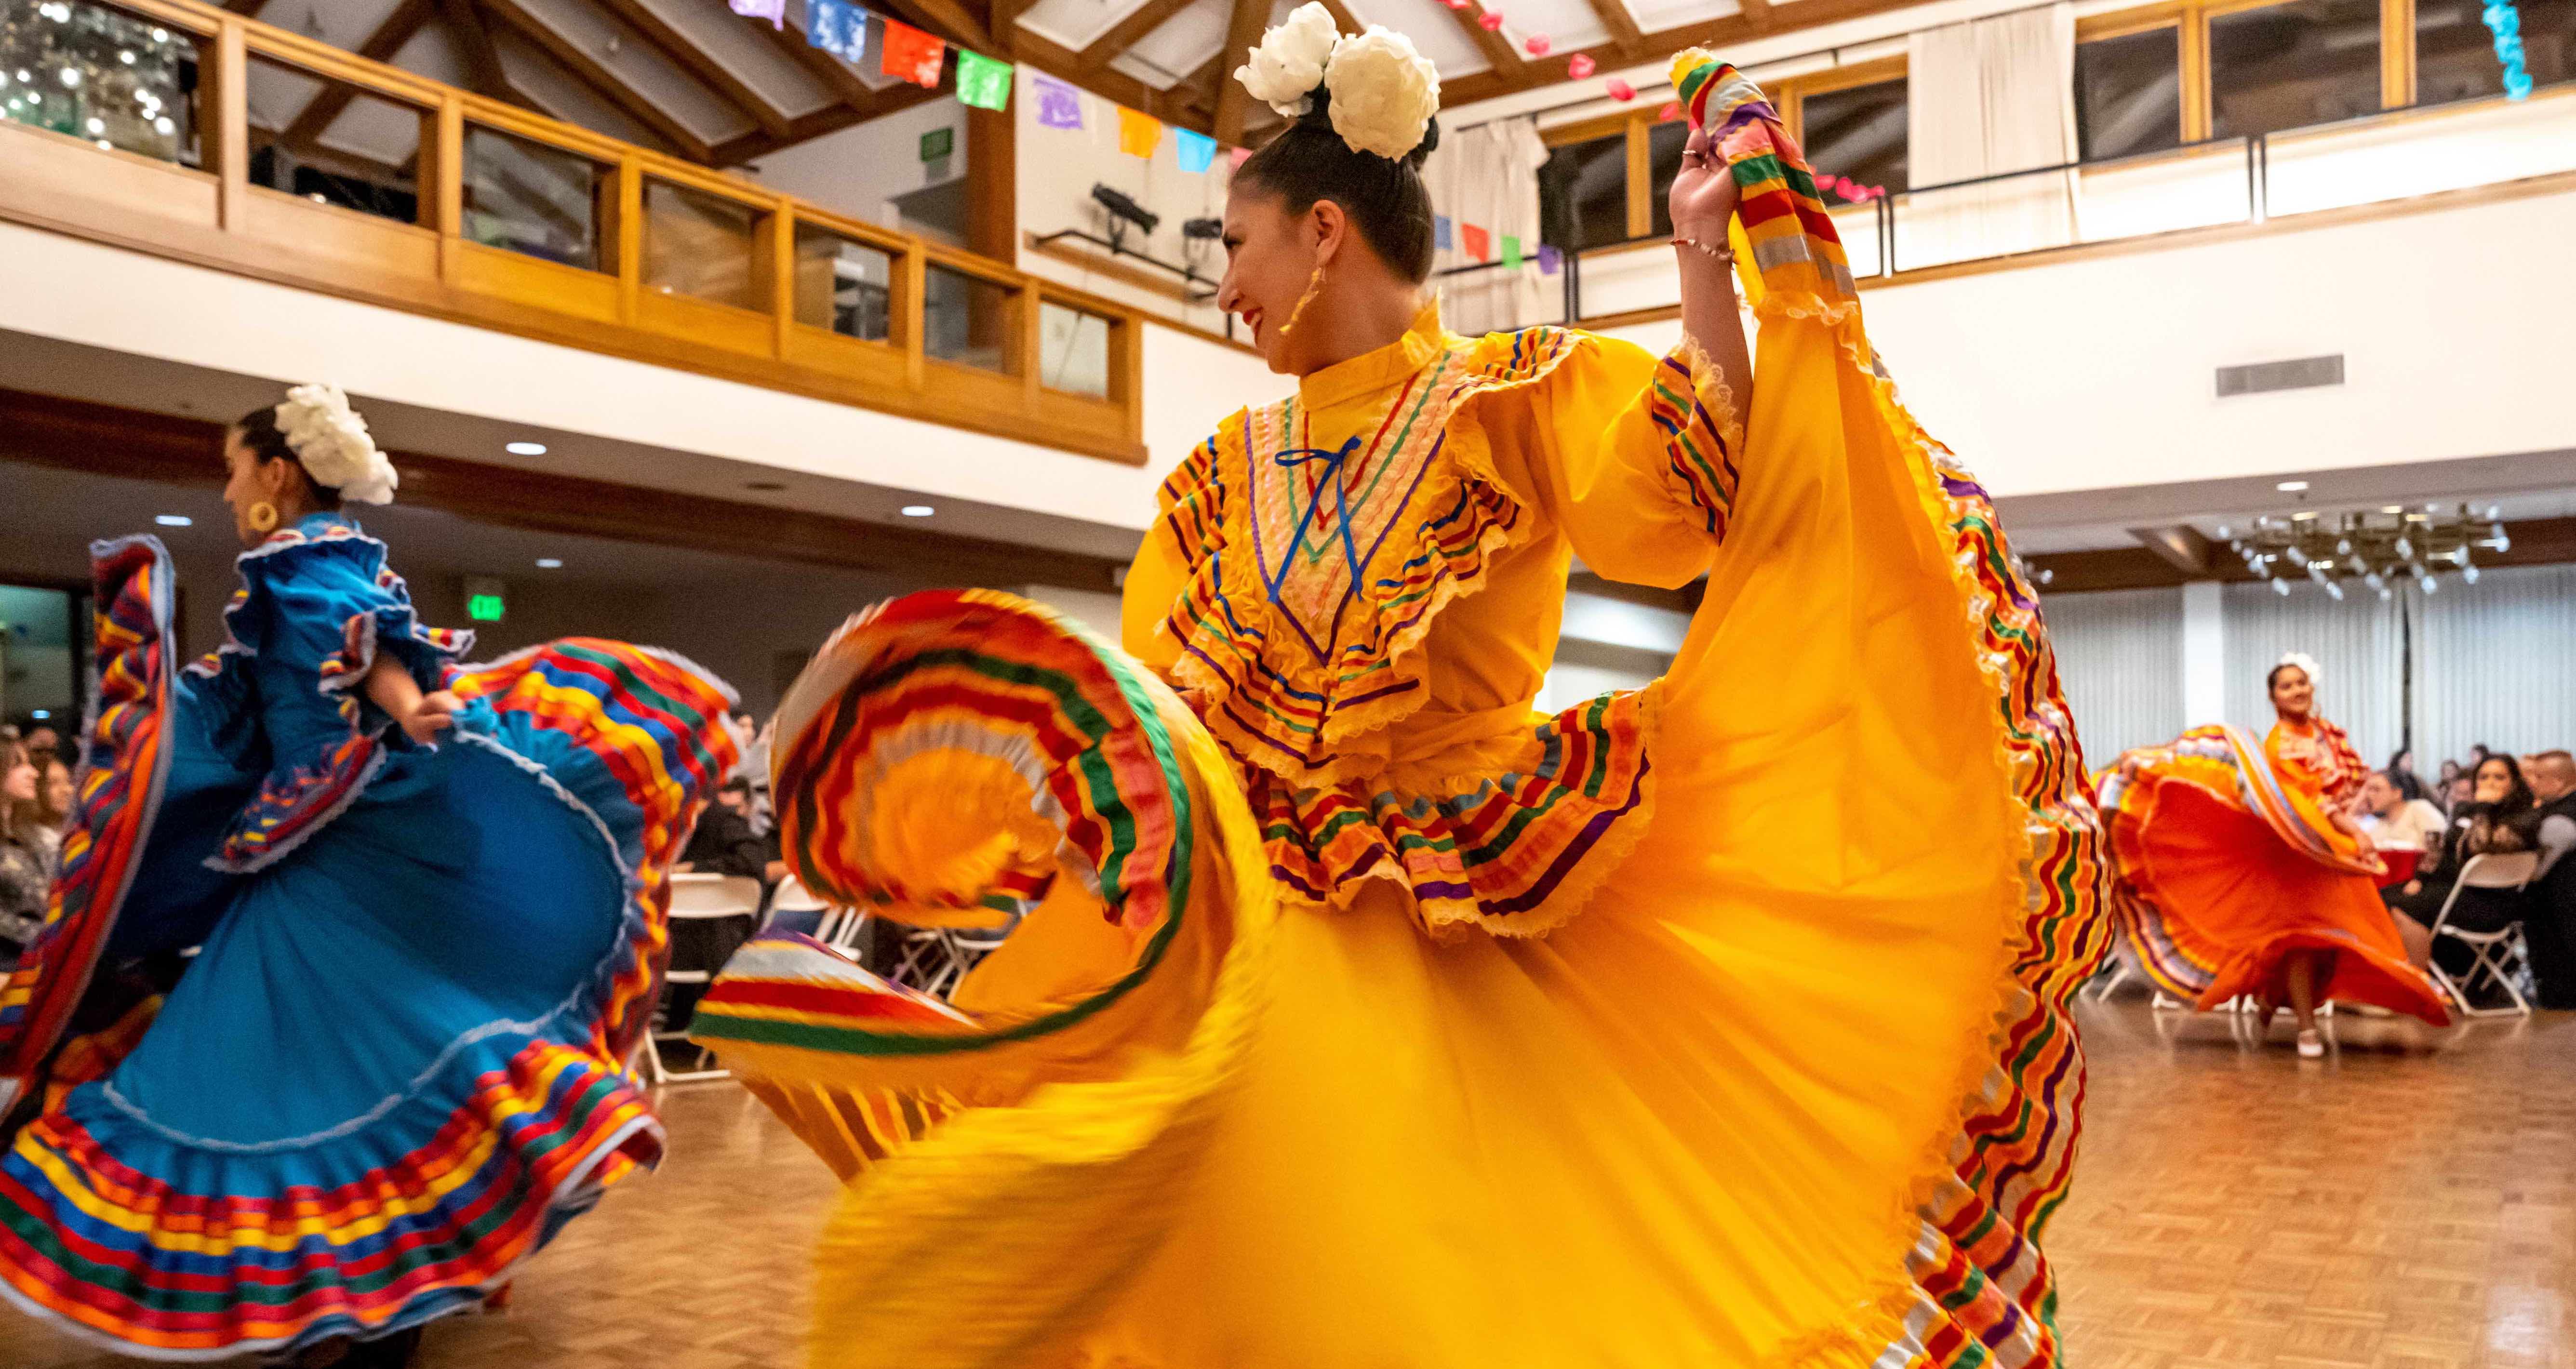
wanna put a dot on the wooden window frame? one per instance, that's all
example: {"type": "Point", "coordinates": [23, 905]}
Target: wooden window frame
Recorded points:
{"type": "Point", "coordinates": [2190, 19]}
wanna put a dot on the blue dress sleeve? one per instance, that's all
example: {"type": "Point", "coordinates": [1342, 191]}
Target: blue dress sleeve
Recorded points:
{"type": "Point", "coordinates": [324, 608]}
{"type": "Point", "coordinates": [316, 609]}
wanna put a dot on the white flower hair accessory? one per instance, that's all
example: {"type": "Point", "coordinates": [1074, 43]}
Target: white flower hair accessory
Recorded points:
{"type": "Point", "coordinates": [332, 442]}
{"type": "Point", "coordinates": [1284, 71]}
{"type": "Point", "coordinates": [1381, 92]}
{"type": "Point", "coordinates": [2306, 663]}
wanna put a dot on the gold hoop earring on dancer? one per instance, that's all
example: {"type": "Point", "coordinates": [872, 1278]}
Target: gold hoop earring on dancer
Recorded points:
{"type": "Point", "coordinates": [261, 516]}
{"type": "Point", "coordinates": [1314, 285]}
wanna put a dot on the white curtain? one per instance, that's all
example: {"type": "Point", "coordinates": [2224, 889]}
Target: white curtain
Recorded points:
{"type": "Point", "coordinates": [1488, 176]}
{"type": "Point", "coordinates": [2119, 655]}
{"type": "Point", "coordinates": [2358, 643]}
{"type": "Point", "coordinates": [1983, 98]}
{"type": "Point", "coordinates": [2495, 662]}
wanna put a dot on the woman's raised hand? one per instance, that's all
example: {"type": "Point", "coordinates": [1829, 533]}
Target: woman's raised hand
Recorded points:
{"type": "Point", "coordinates": [1703, 196]}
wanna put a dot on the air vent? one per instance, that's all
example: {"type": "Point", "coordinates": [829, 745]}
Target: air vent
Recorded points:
{"type": "Point", "coordinates": [2306, 373]}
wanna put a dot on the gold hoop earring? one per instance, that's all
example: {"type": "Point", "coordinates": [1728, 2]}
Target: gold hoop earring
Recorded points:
{"type": "Point", "coordinates": [261, 516]}
{"type": "Point", "coordinates": [1314, 284]}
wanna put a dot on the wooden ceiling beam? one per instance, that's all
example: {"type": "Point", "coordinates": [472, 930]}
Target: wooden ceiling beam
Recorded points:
{"type": "Point", "coordinates": [1342, 16]}
{"type": "Point", "coordinates": [1006, 24]}
{"type": "Point", "coordinates": [407, 19]}
{"type": "Point", "coordinates": [1242, 33]}
{"type": "Point", "coordinates": [1127, 32]}
{"type": "Point", "coordinates": [949, 20]}
{"type": "Point", "coordinates": [702, 64]}
{"type": "Point", "coordinates": [1714, 35]}
{"type": "Point", "coordinates": [247, 9]}
{"type": "Point", "coordinates": [483, 73]}
{"type": "Point", "coordinates": [606, 84]}
{"type": "Point", "coordinates": [1501, 58]}
{"type": "Point", "coordinates": [829, 119]}
{"type": "Point", "coordinates": [1622, 25]}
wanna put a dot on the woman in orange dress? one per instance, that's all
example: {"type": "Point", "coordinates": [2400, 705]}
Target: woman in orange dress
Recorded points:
{"type": "Point", "coordinates": [2241, 869]}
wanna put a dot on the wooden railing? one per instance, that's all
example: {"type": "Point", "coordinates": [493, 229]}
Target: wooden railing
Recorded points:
{"type": "Point", "coordinates": [766, 319]}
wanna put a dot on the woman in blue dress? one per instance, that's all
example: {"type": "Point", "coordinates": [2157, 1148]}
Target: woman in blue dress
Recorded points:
{"type": "Point", "coordinates": [328, 1022]}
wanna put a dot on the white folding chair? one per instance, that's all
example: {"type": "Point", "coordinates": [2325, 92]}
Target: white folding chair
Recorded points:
{"type": "Point", "coordinates": [2500, 955]}
{"type": "Point", "coordinates": [698, 898]}
{"type": "Point", "coordinates": [791, 897]}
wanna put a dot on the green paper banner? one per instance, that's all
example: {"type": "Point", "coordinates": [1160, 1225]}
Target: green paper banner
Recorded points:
{"type": "Point", "coordinates": [983, 82]}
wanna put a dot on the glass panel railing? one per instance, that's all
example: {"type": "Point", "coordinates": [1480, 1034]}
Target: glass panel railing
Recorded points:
{"type": "Point", "coordinates": [115, 78]}
{"type": "Point", "coordinates": [335, 142]}
{"type": "Point", "coordinates": [538, 200]}
{"type": "Point", "coordinates": [843, 286]}
{"type": "Point", "coordinates": [2195, 187]}
{"type": "Point", "coordinates": [1074, 349]}
{"type": "Point", "coordinates": [702, 245]}
{"type": "Point", "coordinates": [967, 319]}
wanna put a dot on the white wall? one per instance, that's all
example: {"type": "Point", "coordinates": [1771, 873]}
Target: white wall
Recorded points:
{"type": "Point", "coordinates": [859, 169]}
{"type": "Point", "coordinates": [81, 292]}
{"type": "Point", "coordinates": [2098, 373]}
{"type": "Point", "coordinates": [1058, 167]}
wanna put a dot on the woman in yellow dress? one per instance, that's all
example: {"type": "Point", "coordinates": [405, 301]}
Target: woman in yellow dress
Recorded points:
{"type": "Point", "coordinates": [1365, 1017]}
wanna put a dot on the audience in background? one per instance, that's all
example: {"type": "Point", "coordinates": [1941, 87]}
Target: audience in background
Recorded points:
{"type": "Point", "coordinates": [2394, 820]}
{"type": "Point", "coordinates": [52, 807]}
{"type": "Point", "coordinates": [2549, 914]}
{"type": "Point", "coordinates": [724, 843]}
{"type": "Point", "coordinates": [26, 865]}
{"type": "Point", "coordinates": [43, 743]}
{"type": "Point", "coordinates": [2500, 817]}
{"type": "Point", "coordinates": [2459, 792]}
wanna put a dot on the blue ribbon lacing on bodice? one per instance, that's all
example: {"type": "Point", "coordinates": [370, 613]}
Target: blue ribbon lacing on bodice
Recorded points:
{"type": "Point", "coordinates": [1334, 459]}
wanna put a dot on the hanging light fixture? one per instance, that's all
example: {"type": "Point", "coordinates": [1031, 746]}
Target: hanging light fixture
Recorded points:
{"type": "Point", "coordinates": [2375, 547]}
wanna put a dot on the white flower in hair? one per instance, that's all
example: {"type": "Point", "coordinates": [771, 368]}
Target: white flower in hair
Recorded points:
{"type": "Point", "coordinates": [332, 442]}
{"type": "Point", "coordinates": [1283, 72]}
{"type": "Point", "coordinates": [1384, 92]}
{"type": "Point", "coordinates": [2306, 663]}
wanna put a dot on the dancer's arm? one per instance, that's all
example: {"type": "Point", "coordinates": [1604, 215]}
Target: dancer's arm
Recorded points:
{"type": "Point", "coordinates": [421, 716]}
{"type": "Point", "coordinates": [1702, 202]}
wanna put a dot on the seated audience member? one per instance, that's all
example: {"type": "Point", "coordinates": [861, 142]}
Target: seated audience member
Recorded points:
{"type": "Point", "coordinates": [43, 743]}
{"type": "Point", "coordinates": [51, 809]}
{"type": "Point", "coordinates": [2549, 923]}
{"type": "Point", "coordinates": [2459, 793]}
{"type": "Point", "coordinates": [26, 869]}
{"type": "Point", "coordinates": [2500, 818]}
{"type": "Point", "coordinates": [2394, 821]}
{"type": "Point", "coordinates": [724, 843]}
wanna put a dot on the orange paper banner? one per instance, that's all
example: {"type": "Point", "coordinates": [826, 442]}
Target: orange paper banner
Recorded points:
{"type": "Point", "coordinates": [1138, 134]}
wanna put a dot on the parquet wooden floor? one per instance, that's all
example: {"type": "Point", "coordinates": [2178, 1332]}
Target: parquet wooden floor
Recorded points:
{"type": "Point", "coordinates": [2409, 1203]}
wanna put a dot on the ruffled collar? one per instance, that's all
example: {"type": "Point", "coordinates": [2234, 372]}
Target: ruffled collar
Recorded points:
{"type": "Point", "coordinates": [1379, 370]}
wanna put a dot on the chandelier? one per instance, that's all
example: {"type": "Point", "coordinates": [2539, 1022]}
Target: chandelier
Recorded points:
{"type": "Point", "coordinates": [2378, 549]}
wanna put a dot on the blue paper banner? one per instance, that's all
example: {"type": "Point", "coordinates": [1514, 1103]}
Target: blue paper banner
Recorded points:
{"type": "Point", "coordinates": [1197, 150]}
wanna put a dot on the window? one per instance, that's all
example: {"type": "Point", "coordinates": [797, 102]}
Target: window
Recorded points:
{"type": "Point", "coordinates": [531, 198]}
{"type": "Point", "coordinates": [2455, 53]}
{"type": "Point", "coordinates": [1857, 132]}
{"type": "Point", "coordinates": [1583, 194]}
{"type": "Point", "coordinates": [702, 245]}
{"type": "Point", "coordinates": [966, 319]}
{"type": "Point", "coordinates": [2128, 94]}
{"type": "Point", "coordinates": [1073, 349]}
{"type": "Point", "coordinates": [1664, 143]}
{"type": "Point", "coordinates": [100, 74]}
{"type": "Point", "coordinates": [844, 286]}
{"type": "Point", "coordinates": [334, 142]}
{"type": "Point", "coordinates": [2288, 66]}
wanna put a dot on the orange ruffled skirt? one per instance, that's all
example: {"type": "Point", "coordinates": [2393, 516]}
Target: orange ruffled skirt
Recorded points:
{"type": "Point", "coordinates": [2224, 871]}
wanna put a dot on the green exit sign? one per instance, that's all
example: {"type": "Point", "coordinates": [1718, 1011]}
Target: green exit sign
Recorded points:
{"type": "Point", "coordinates": [938, 143]}
{"type": "Point", "coordinates": [486, 599]}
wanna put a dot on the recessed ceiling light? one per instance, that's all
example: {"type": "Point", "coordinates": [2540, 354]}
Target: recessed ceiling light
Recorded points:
{"type": "Point", "coordinates": [174, 520]}
{"type": "Point", "coordinates": [525, 448]}
{"type": "Point", "coordinates": [2291, 486]}
{"type": "Point", "coordinates": [918, 510]}
{"type": "Point", "coordinates": [549, 563]}
{"type": "Point", "coordinates": [764, 486]}
{"type": "Point", "coordinates": [2394, 508]}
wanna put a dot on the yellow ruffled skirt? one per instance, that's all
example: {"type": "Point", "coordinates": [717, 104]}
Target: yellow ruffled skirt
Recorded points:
{"type": "Point", "coordinates": [1797, 1088]}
